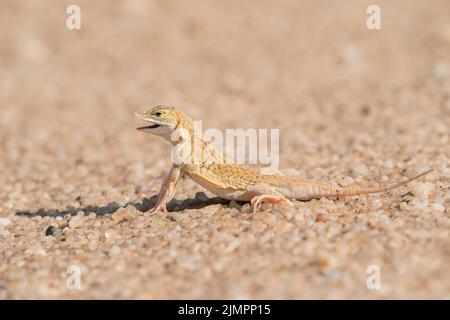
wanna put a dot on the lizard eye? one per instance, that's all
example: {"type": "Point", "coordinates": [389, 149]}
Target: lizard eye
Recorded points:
{"type": "Point", "coordinates": [158, 114]}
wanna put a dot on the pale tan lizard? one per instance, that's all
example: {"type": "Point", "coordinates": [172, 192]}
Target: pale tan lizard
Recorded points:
{"type": "Point", "coordinates": [206, 166]}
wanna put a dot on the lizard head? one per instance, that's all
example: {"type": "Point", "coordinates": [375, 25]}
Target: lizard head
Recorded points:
{"type": "Point", "coordinates": [163, 121]}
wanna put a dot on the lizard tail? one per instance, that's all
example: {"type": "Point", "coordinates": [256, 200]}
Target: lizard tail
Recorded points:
{"type": "Point", "coordinates": [360, 191]}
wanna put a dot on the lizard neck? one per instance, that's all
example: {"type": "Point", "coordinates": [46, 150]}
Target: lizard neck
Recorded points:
{"type": "Point", "coordinates": [193, 150]}
{"type": "Point", "coordinates": [189, 146]}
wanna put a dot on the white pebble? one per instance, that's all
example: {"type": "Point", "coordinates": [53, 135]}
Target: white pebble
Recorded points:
{"type": "Point", "coordinates": [36, 250]}
{"type": "Point", "coordinates": [115, 250]}
{"type": "Point", "coordinates": [376, 204]}
{"type": "Point", "coordinates": [76, 222]}
{"type": "Point", "coordinates": [345, 181]}
{"type": "Point", "coordinates": [422, 189]}
{"type": "Point", "coordinates": [389, 163]}
{"type": "Point", "coordinates": [420, 204]}
{"type": "Point", "coordinates": [111, 234]}
{"type": "Point", "coordinates": [438, 207]}
{"type": "Point", "coordinates": [384, 218]}
{"type": "Point", "coordinates": [360, 169]}
{"type": "Point", "coordinates": [421, 167]}
{"type": "Point", "coordinates": [4, 222]}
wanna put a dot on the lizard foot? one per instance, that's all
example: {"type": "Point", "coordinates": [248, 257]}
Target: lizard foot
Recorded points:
{"type": "Point", "coordinates": [158, 207]}
{"type": "Point", "coordinates": [258, 200]}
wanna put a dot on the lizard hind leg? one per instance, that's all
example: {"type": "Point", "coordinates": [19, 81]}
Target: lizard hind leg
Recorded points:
{"type": "Point", "coordinates": [272, 198]}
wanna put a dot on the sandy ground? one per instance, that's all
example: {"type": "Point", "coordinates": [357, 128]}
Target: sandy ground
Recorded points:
{"type": "Point", "coordinates": [353, 106]}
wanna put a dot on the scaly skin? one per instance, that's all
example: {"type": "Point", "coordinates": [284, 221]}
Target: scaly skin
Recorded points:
{"type": "Point", "coordinates": [207, 166]}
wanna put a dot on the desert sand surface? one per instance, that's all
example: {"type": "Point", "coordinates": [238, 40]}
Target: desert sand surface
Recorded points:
{"type": "Point", "coordinates": [353, 106]}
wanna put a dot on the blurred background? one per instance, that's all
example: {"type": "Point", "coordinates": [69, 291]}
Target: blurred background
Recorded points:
{"type": "Point", "coordinates": [347, 100]}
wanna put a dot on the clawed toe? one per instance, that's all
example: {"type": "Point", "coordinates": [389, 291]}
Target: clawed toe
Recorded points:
{"type": "Point", "coordinates": [258, 200]}
{"type": "Point", "coordinates": [157, 208]}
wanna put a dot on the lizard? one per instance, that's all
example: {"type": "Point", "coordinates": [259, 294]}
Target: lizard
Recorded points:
{"type": "Point", "coordinates": [209, 168]}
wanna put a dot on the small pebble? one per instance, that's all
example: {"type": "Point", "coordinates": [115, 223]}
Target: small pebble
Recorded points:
{"type": "Point", "coordinates": [420, 204]}
{"type": "Point", "coordinates": [36, 250]}
{"type": "Point", "coordinates": [422, 189]}
{"type": "Point", "coordinates": [320, 217]}
{"type": "Point", "coordinates": [419, 168]}
{"type": "Point", "coordinates": [190, 223]}
{"type": "Point", "coordinates": [320, 210]}
{"type": "Point", "coordinates": [76, 222]}
{"type": "Point", "coordinates": [325, 260]}
{"type": "Point", "coordinates": [376, 204]}
{"type": "Point", "coordinates": [201, 196]}
{"type": "Point", "coordinates": [111, 234]}
{"type": "Point", "coordinates": [438, 207]}
{"type": "Point", "coordinates": [115, 250]}
{"type": "Point", "coordinates": [127, 213]}
{"type": "Point", "coordinates": [51, 230]}
{"type": "Point", "coordinates": [4, 222]}
{"type": "Point", "coordinates": [175, 216]}
{"type": "Point", "coordinates": [158, 223]}
{"type": "Point", "coordinates": [345, 181]}
{"type": "Point", "coordinates": [359, 169]}
{"type": "Point", "coordinates": [235, 205]}
{"type": "Point", "coordinates": [229, 222]}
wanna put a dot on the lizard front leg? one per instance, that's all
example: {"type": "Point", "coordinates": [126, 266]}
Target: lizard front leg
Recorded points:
{"type": "Point", "coordinates": [168, 189]}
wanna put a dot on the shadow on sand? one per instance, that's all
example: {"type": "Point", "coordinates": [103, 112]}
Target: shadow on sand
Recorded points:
{"type": "Point", "coordinates": [200, 201]}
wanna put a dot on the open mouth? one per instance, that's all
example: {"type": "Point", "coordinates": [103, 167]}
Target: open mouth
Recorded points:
{"type": "Point", "coordinates": [152, 126]}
